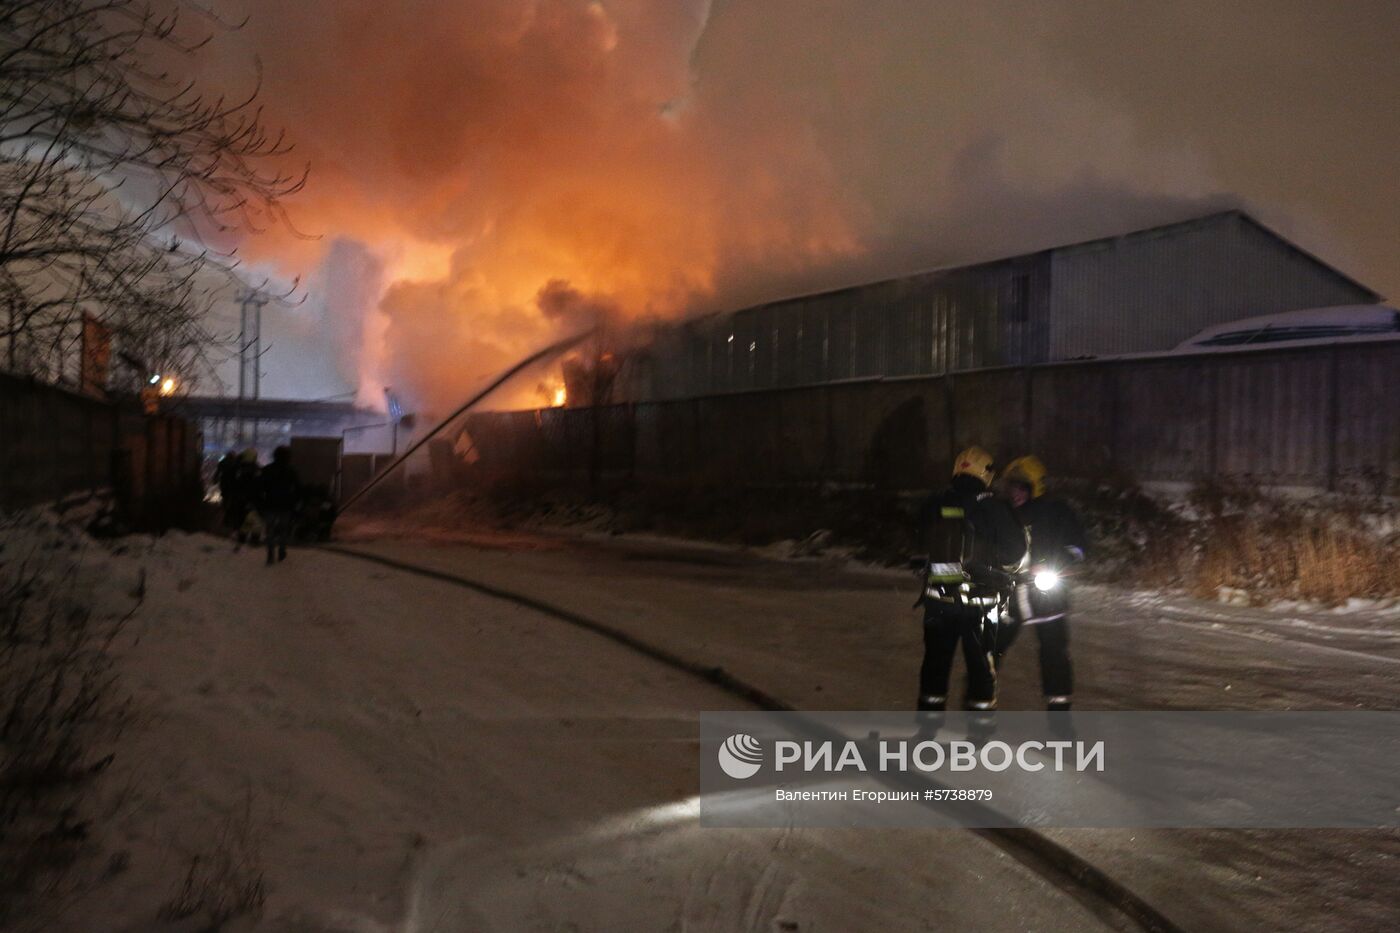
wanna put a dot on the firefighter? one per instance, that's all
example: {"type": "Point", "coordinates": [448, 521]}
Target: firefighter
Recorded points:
{"type": "Point", "coordinates": [973, 542]}
{"type": "Point", "coordinates": [241, 496]}
{"type": "Point", "coordinates": [1042, 598]}
{"type": "Point", "coordinates": [224, 478]}
{"type": "Point", "coordinates": [279, 499]}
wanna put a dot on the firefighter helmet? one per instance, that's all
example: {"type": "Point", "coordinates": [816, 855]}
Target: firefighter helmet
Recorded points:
{"type": "Point", "coordinates": [974, 462]}
{"type": "Point", "coordinates": [1028, 471]}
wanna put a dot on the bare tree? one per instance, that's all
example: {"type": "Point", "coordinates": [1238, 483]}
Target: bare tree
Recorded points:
{"type": "Point", "coordinates": [114, 171]}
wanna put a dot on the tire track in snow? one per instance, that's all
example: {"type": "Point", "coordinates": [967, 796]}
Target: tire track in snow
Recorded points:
{"type": "Point", "coordinates": [1107, 898]}
{"type": "Point", "coordinates": [1229, 629]}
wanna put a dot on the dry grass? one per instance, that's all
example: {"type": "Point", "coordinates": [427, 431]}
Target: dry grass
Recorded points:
{"type": "Point", "coordinates": [1228, 536]}
{"type": "Point", "coordinates": [1293, 553]}
{"type": "Point", "coordinates": [1335, 565]}
{"type": "Point", "coordinates": [1266, 547]}
{"type": "Point", "coordinates": [226, 883]}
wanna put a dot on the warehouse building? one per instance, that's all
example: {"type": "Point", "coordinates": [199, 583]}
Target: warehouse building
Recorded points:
{"type": "Point", "coordinates": [1141, 292]}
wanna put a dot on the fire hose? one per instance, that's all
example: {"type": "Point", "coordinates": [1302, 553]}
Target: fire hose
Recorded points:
{"type": "Point", "coordinates": [527, 362]}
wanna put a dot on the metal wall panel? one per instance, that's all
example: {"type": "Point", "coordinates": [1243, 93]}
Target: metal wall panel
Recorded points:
{"type": "Point", "coordinates": [989, 411]}
{"type": "Point", "coordinates": [662, 353]}
{"type": "Point", "coordinates": [744, 348]}
{"type": "Point", "coordinates": [699, 374]}
{"type": "Point", "coordinates": [1163, 418]}
{"type": "Point", "coordinates": [1072, 418]}
{"type": "Point", "coordinates": [57, 443]}
{"type": "Point", "coordinates": [868, 316]}
{"type": "Point", "coordinates": [840, 329]}
{"type": "Point", "coordinates": [1302, 417]}
{"type": "Point", "coordinates": [1151, 290]}
{"type": "Point", "coordinates": [939, 360]}
{"type": "Point", "coordinates": [1272, 418]}
{"type": "Point", "coordinates": [614, 440]}
{"type": "Point", "coordinates": [677, 431]}
{"type": "Point", "coordinates": [730, 359]}
{"type": "Point", "coordinates": [800, 429]}
{"type": "Point", "coordinates": [811, 352]}
{"type": "Point", "coordinates": [1142, 292]}
{"type": "Point", "coordinates": [906, 332]}
{"type": "Point", "coordinates": [788, 334]}
{"type": "Point", "coordinates": [1367, 410]}
{"type": "Point", "coordinates": [560, 442]}
{"type": "Point", "coordinates": [961, 319]}
{"type": "Point", "coordinates": [854, 412]}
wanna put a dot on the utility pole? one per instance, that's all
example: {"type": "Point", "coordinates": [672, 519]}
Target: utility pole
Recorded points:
{"type": "Point", "coordinates": [249, 355]}
{"type": "Point", "coordinates": [395, 416]}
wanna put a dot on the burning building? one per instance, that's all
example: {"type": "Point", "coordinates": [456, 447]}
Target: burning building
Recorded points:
{"type": "Point", "coordinates": [1141, 292]}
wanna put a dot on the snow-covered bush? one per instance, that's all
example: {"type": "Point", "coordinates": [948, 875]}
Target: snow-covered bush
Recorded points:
{"type": "Point", "coordinates": [59, 707]}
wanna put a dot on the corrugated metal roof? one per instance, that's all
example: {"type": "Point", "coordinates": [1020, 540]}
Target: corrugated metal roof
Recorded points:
{"type": "Point", "coordinates": [1097, 242]}
{"type": "Point", "coordinates": [1146, 290]}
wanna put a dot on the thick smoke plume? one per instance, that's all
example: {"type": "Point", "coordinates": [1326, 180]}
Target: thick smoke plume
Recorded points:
{"type": "Point", "coordinates": [488, 174]}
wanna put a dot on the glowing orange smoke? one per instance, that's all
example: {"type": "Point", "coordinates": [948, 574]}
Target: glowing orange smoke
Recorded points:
{"type": "Point", "coordinates": [552, 147]}
{"type": "Point", "coordinates": [676, 156]}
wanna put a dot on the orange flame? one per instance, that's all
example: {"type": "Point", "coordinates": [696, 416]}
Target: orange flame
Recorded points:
{"type": "Point", "coordinates": [553, 392]}
{"type": "Point", "coordinates": [560, 163]}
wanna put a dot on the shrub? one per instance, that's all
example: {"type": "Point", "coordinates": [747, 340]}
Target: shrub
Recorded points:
{"type": "Point", "coordinates": [1233, 537]}
{"type": "Point", "coordinates": [59, 709]}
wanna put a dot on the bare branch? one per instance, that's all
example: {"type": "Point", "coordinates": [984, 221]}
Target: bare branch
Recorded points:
{"type": "Point", "coordinates": [110, 168]}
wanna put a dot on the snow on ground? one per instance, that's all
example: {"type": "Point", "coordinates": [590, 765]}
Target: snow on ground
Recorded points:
{"type": "Point", "coordinates": [385, 752]}
{"type": "Point", "coordinates": [823, 635]}
{"type": "Point", "coordinates": [377, 752]}
{"type": "Point", "coordinates": [826, 633]}
{"type": "Point", "coordinates": [1337, 323]}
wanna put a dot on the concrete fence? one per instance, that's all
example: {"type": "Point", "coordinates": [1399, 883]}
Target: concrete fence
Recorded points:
{"type": "Point", "coordinates": [55, 443]}
{"type": "Point", "coordinates": [1325, 417]}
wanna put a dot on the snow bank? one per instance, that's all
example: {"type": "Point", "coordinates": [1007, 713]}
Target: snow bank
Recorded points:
{"type": "Point", "coordinates": [1340, 322]}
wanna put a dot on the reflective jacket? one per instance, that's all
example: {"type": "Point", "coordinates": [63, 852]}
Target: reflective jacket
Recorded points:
{"type": "Point", "coordinates": [1058, 542]}
{"type": "Point", "coordinates": [986, 538]}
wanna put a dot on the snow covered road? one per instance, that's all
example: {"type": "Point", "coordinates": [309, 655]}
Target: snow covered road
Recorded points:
{"type": "Point", "coordinates": [391, 753]}
{"type": "Point", "coordinates": [822, 636]}
{"type": "Point", "coordinates": [825, 635]}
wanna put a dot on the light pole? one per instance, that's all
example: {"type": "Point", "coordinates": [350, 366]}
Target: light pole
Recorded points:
{"type": "Point", "coordinates": [395, 416]}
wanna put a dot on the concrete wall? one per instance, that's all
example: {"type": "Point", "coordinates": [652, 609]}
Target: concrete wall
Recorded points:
{"type": "Point", "coordinates": [55, 443]}
{"type": "Point", "coordinates": [1324, 417]}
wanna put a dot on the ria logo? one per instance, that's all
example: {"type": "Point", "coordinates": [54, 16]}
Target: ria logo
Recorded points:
{"type": "Point", "coordinates": [740, 756]}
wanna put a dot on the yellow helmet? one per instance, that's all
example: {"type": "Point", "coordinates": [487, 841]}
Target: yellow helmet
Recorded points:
{"type": "Point", "coordinates": [974, 462]}
{"type": "Point", "coordinates": [1029, 471]}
